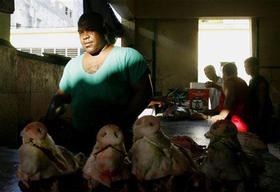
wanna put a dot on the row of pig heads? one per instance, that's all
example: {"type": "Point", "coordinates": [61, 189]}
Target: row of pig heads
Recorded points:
{"type": "Point", "coordinates": [36, 133]}
{"type": "Point", "coordinates": [108, 161]}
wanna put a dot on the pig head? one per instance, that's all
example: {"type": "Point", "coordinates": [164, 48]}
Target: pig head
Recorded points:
{"type": "Point", "coordinates": [108, 161]}
{"type": "Point", "coordinates": [225, 158]}
{"type": "Point", "coordinates": [152, 154]}
{"type": "Point", "coordinates": [40, 158]}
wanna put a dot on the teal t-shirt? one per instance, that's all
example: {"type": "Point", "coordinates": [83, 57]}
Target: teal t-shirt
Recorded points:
{"type": "Point", "coordinates": [95, 96]}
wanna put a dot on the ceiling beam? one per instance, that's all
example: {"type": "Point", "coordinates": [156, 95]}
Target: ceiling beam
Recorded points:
{"type": "Point", "coordinates": [125, 8]}
{"type": "Point", "coordinates": [180, 9]}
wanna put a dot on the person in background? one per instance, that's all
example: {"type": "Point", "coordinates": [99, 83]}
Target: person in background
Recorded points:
{"type": "Point", "coordinates": [215, 89]}
{"type": "Point", "coordinates": [106, 84]}
{"type": "Point", "coordinates": [236, 96]}
{"type": "Point", "coordinates": [260, 102]}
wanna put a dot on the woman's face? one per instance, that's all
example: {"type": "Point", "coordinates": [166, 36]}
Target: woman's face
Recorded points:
{"type": "Point", "coordinates": [91, 41]}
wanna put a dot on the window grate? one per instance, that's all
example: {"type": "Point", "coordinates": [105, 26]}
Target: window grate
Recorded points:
{"type": "Point", "coordinates": [72, 52]}
{"type": "Point", "coordinates": [36, 51]}
{"type": "Point", "coordinates": [60, 52]}
{"type": "Point", "coordinates": [26, 50]}
{"type": "Point", "coordinates": [67, 52]}
{"type": "Point", "coordinates": [48, 50]}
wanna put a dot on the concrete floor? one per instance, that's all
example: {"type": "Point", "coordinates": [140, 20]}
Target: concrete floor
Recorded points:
{"type": "Point", "coordinates": [8, 166]}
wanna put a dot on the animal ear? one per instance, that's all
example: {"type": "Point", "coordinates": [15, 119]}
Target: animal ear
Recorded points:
{"type": "Point", "coordinates": [138, 122]}
{"type": "Point", "coordinates": [22, 133]}
{"type": "Point", "coordinates": [24, 130]}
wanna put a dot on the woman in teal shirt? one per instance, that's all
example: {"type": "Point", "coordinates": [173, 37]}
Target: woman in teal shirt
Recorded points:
{"type": "Point", "coordinates": [106, 84]}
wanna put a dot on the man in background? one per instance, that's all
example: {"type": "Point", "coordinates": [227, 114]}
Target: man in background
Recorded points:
{"type": "Point", "coordinates": [215, 89]}
{"type": "Point", "coordinates": [260, 102]}
{"type": "Point", "coordinates": [236, 96]}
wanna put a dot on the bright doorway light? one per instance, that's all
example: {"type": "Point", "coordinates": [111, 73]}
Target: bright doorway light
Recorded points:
{"type": "Point", "coordinates": [119, 40]}
{"type": "Point", "coordinates": [224, 40]}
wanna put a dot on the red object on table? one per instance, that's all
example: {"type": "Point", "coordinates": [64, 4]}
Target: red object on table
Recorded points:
{"type": "Point", "coordinates": [237, 121]}
{"type": "Point", "coordinates": [199, 99]}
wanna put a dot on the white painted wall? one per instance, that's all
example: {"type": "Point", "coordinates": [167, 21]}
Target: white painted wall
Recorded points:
{"type": "Point", "coordinates": [45, 38]}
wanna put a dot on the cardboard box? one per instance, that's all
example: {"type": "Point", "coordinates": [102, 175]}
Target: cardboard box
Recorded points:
{"type": "Point", "coordinates": [197, 85]}
{"type": "Point", "coordinates": [199, 99]}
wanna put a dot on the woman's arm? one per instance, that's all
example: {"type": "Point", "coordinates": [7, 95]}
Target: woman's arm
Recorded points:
{"type": "Point", "coordinates": [57, 105]}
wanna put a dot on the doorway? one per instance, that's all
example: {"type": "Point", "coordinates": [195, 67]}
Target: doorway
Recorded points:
{"type": "Point", "coordinates": [224, 40]}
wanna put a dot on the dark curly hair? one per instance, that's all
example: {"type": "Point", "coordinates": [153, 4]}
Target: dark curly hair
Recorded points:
{"type": "Point", "coordinates": [93, 21]}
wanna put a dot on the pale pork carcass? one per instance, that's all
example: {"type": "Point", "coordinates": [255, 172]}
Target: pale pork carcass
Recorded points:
{"type": "Point", "coordinates": [155, 160]}
{"type": "Point", "coordinates": [226, 166]}
{"type": "Point", "coordinates": [40, 158]}
{"type": "Point", "coordinates": [108, 162]}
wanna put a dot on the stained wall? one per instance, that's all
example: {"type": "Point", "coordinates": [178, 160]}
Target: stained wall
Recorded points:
{"type": "Point", "coordinates": [26, 88]}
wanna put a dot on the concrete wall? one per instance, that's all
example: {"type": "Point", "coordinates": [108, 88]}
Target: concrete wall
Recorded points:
{"type": "Point", "coordinates": [175, 50]}
{"type": "Point", "coordinates": [26, 88]}
{"type": "Point", "coordinates": [269, 50]}
{"type": "Point", "coordinates": [5, 26]}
